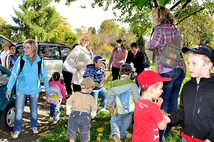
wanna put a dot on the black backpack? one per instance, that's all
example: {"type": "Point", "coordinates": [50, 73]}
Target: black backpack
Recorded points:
{"type": "Point", "coordinates": [22, 62]}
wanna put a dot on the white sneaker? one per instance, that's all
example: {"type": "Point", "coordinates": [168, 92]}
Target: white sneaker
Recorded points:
{"type": "Point", "coordinates": [55, 121]}
{"type": "Point", "coordinates": [51, 118]}
{"type": "Point", "coordinates": [35, 131]}
{"type": "Point", "coordinates": [16, 134]}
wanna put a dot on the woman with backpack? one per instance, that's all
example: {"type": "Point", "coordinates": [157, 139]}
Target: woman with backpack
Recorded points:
{"type": "Point", "coordinates": [163, 24]}
{"type": "Point", "coordinates": [56, 88]}
{"type": "Point", "coordinates": [25, 75]}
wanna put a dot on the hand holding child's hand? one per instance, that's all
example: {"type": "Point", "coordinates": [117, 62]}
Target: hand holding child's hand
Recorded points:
{"type": "Point", "coordinates": [101, 83]}
{"type": "Point", "coordinates": [159, 101]}
{"type": "Point", "coordinates": [104, 75]}
{"type": "Point", "coordinates": [167, 119]}
{"type": "Point", "coordinates": [164, 113]}
{"type": "Point", "coordinates": [207, 140]}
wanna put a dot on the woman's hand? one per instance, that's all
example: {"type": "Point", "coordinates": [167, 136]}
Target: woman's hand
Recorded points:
{"type": "Point", "coordinates": [78, 67]}
{"type": "Point", "coordinates": [109, 69]}
{"type": "Point", "coordinates": [8, 95]}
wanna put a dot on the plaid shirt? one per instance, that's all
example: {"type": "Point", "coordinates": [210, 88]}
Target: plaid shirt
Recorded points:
{"type": "Point", "coordinates": [164, 34]}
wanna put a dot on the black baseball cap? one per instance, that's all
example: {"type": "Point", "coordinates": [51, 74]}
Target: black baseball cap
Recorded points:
{"type": "Point", "coordinates": [201, 49]}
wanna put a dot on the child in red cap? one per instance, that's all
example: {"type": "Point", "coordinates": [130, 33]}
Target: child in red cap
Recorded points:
{"type": "Point", "coordinates": [148, 118]}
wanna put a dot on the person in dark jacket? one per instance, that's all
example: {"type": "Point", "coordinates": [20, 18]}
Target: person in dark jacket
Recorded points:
{"type": "Point", "coordinates": [197, 97]}
{"type": "Point", "coordinates": [139, 58]}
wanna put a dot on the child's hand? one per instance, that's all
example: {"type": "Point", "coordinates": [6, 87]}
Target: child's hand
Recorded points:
{"type": "Point", "coordinates": [104, 75]}
{"type": "Point", "coordinates": [159, 101]}
{"type": "Point", "coordinates": [167, 119]}
{"type": "Point", "coordinates": [92, 117]}
{"type": "Point", "coordinates": [164, 113]}
{"type": "Point", "coordinates": [207, 140]}
{"type": "Point", "coordinates": [101, 83]}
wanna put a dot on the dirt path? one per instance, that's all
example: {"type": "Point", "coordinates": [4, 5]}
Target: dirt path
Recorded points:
{"type": "Point", "coordinates": [43, 121]}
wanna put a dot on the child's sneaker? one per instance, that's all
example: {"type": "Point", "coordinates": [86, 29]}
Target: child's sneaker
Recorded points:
{"type": "Point", "coordinates": [16, 134]}
{"type": "Point", "coordinates": [55, 121]}
{"type": "Point", "coordinates": [51, 118]}
{"type": "Point", "coordinates": [35, 131]}
{"type": "Point", "coordinates": [116, 138]}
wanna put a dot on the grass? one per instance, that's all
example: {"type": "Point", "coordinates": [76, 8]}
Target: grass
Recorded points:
{"type": "Point", "coordinates": [100, 126]}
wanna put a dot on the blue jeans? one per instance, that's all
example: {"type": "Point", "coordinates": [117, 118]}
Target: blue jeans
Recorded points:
{"type": "Point", "coordinates": [171, 91]}
{"type": "Point", "coordinates": [53, 111]}
{"type": "Point", "coordinates": [20, 101]}
{"type": "Point", "coordinates": [102, 94]}
{"type": "Point", "coordinates": [120, 123]}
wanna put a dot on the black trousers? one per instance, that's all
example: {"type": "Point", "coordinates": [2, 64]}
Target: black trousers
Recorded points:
{"type": "Point", "coordinates": [115, 73]}
{"type": "Point", "coordinates": [67, 79]}
{"type": "Point", "coordinates": [76, 87]}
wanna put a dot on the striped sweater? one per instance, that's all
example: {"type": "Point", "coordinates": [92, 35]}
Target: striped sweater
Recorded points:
{"type": "Point", "coordinates": [120, 86]}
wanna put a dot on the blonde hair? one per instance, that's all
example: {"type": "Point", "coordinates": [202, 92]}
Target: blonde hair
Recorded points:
{"type": "Point", "coordinates": [82, 38]}
{"type": "Point", "coordinates": [33, 44]}
{"type": "Point", "coordinates": [203, 57]}
{"type": "Point", "coordinates": [160, 15]}
{"type": "Point", "coordinates": [6, 44]}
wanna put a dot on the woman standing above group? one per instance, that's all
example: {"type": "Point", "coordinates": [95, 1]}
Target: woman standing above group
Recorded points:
{"type": "Point", "coordinates": [80, 56]}
{"type": "Point", "coordinates": [163, 24]}
{"type": "Point", "coordinates": [118, 57]}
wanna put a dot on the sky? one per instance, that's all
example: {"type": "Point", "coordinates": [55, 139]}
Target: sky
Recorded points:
{"type": "Point", "coordinates": [76, 16]}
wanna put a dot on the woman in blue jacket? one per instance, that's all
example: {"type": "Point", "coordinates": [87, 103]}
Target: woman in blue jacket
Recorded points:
{"type": "Point", "coordinates": [27, 84]}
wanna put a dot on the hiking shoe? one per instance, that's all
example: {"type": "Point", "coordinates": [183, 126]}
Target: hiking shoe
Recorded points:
{"type": "Point", "coordinates": [51, 118]}
{"type": "Point", "coordinates": [35, 131]}
{"type": "Point", "coordinates": [116, 138]}
{"type": "Point", "coordinates": [16, 134]}
{"type": "Point", "coordinates": [55, 121]}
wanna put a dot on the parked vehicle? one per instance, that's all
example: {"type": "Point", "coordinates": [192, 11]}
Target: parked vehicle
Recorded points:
{"type": "Point", "coordinates": [7, 107]}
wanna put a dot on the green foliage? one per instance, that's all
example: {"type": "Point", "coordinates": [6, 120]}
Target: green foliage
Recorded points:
{"type": "Point", "coordinates": [4, 28]}
{"type": "Point", "coordinates": [140, 3]}
{"type": "Point", "coordinates": [108, 26]}
{"type": "Point", "coordinates": [37, 20]}
{"type": "Point", "coordinates": [92, 29]}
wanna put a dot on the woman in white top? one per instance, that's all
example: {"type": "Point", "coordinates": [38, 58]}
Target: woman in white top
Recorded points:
{"type": "Point", "coordinates": [81, 56]}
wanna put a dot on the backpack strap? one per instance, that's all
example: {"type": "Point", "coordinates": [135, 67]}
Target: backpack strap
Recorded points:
{"type": "Point", "coordinates": [22, 62]}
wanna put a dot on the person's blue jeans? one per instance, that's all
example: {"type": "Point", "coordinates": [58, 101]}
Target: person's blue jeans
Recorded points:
{"type": "Point", "coordinates": [20, 101]}
{"type": "Point", "coordinates": [120, 123]}
{"type": "Point", "coordinates": [102, 94]}
{"type": "Point", "coordinates": [171, 91]}
{"type": "Point", "coordinates": [54, 111]}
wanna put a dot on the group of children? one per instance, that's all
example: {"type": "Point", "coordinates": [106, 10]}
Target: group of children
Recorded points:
{"type": "Point", "coordinates": [195, 111]}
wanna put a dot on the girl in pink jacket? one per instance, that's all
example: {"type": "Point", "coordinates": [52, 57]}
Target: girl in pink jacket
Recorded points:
{"type": "Point", "coordinates": [54, 109]}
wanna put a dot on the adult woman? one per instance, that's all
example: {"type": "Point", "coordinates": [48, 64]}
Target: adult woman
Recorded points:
{"type": "Point", "coordinates": [27, 84]}
{"type": "Point", "coordinates": [118, 57]}
{"type": "Point", "coordinates": [163, 24]}
{"type": "Point", "coordinates": [80, 56]}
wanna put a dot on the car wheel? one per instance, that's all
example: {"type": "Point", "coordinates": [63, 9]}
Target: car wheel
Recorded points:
{"type": "Point", "coordinates": [8, 116]}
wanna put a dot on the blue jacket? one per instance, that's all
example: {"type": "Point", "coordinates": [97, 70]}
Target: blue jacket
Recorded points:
{"type": "Point", "coordinates": [95, 73]}
{"type": "Point", "coordinates": [28, 81]}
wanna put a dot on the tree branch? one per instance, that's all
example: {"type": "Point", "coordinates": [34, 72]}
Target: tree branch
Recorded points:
{"type": "Point", "coordinates": [186, 3]}
{"type": "Point", "coordinates": [191, 15]}
{"type": "Point", "coordinates": [177, 3]}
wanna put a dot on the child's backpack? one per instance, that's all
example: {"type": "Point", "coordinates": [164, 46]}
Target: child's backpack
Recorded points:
{"type": "Point", "coordinates": [124, 103]}
{"type": "Point", "coordinates": [55, 95]}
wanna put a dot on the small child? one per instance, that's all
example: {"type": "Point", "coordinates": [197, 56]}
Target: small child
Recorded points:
{"type": "Point", "coordinates": [96, 73]}
{"type": "Point", "coordinates": [120, 121]}
{"type": "Point", "coordinates": [197, 97]}
{"type": "Point", "coordinates": [148, 117]}
{"type": "Point", "coordinates": [54, 109]}
{"type": "Point", "coordinates": [78, 107]}
{"type": "Point", "coordinates": [10, 58]}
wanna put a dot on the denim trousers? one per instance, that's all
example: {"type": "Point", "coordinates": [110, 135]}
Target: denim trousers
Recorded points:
{"type": "Point", "coordinates": [20, 102]}
{"type": "Point", "coordinates": [54, 111]}
{"type": "Point", "coordinates": [171, 91]}
{"type": "Point", "coordinates": [120, 123]}
{"type": "Point", "coordinates": [102, 94]}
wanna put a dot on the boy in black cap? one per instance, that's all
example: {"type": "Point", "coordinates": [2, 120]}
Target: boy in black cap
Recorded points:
{"type": "Point", "coordinates": [197, 97]}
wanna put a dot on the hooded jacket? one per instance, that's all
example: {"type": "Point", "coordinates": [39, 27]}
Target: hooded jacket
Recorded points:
{"type": "Point", "coordinates": [120, 86]}
{"type": "Point", "coordinates": [95, 73]}
{"type": "Point", "coordinates": [28, 81]}
{"type": "Point", "coordinates": [197, 109]}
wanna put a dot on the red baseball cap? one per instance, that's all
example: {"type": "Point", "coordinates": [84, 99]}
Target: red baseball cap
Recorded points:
{"type": "Point", "coordinates": [148, 78]}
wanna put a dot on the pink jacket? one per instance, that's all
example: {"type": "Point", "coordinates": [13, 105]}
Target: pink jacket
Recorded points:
{"type": "Point", "coordinates": [61, 87]}
{"type": "Point", "coordinates": [118, 57]}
